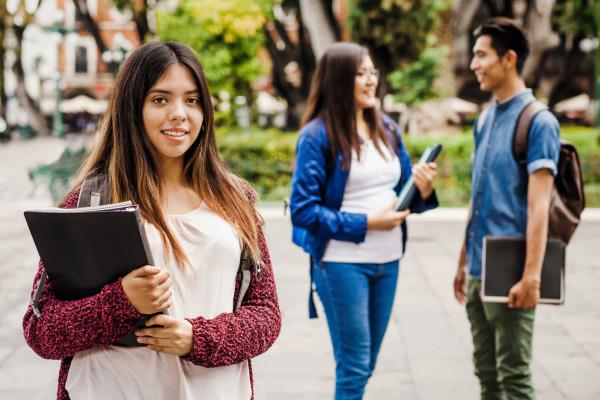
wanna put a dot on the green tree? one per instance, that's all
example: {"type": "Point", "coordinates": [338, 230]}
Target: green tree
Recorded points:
{"type": "Point", "coordinates": [582, 18]}
{"type": "Point", "coordinates": [413, 83]}
{"type": "Point", "coordinates": [395, 31]}
{"type": "Point", "coordinates": [227, 36]}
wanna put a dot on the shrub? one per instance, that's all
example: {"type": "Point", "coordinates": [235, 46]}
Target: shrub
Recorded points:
{"type": "Point", "coordinates": [265, 157]}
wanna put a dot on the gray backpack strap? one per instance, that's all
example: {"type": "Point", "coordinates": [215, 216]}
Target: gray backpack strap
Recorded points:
{"type": "Point", "coordinates": [35, 300]}
{"type": "Point", "coordinates": [245, 275]}
{"type": "Point", "coordinates": [93, 192]}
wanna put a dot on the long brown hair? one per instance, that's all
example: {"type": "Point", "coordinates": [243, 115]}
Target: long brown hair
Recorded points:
{"type": "Point", "coordinates": [126, 156]}
{"type": "Point", "coordinates": [332, 99]}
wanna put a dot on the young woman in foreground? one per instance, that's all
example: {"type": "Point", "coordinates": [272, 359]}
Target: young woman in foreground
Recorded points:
{"type": "Point", "coordinates": [157, 148]}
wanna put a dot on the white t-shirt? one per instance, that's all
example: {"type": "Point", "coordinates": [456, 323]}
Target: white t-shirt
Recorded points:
{"type": "Point", "coordinates": [370, 188]}
{"type": "Point", "coordinates": [205, 289]}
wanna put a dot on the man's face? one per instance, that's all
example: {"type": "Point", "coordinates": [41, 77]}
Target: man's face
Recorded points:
{"type": "Point", "coordinates": [491, 70]}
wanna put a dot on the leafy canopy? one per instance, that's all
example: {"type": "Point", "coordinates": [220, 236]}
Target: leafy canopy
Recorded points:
{"type": "Point", "coordinates": [395, 31]}
{"type": "Point", "coordinates": [413, 83]}
{"type": "Point", "coordinates": [225, 34]}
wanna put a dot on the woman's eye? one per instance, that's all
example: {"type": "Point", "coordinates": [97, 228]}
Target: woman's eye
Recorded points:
{"type": "Point", "coordinates": [193, 100]}
{"type": "Point", "coordinates": [159, 100]}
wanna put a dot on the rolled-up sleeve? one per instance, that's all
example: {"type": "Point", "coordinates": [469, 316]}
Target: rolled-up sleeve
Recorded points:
{"type": "Point", "coordinates": [543, 143]}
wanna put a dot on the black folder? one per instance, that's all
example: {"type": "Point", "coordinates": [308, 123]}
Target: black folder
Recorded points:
{"type": "Point", "coordinates": [503, 263]}
{"type": "Point", "coordinates": [84, 249]}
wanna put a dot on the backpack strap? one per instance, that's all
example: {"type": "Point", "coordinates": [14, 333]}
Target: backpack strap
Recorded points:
{"type": "Point", "coordinates": [521, 135]}
{"type": "Point", "coordinates": [312, 308]}
{"type": "Point", "coordinates": [247, 264]}
{"type": "Point", "coordinates": [94, 191]}
{"type": "Point", "coordinates": [245, 275]}
{"type": "Point", "coordinates": [35, 300]}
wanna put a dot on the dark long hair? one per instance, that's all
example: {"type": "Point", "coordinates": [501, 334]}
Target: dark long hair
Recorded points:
{"type": "Point", "coordinates": [126, 156]}
{"type": "Point", "coordinates": [332, 99]}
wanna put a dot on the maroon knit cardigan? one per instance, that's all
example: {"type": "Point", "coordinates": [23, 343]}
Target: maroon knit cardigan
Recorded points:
{"type": "Point", "coordinates": [67, 327]}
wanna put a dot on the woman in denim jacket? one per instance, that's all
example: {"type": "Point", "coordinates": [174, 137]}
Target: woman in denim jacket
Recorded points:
{"type": "Point", "coordinates": [350, 166]}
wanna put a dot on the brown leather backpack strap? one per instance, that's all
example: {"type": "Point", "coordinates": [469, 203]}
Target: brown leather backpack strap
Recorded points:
{"type": "Point", "coordinates": [520, 138]}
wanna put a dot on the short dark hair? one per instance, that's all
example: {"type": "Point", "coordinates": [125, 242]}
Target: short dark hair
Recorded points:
{"type": "Point", "coordinates": [506, 35]}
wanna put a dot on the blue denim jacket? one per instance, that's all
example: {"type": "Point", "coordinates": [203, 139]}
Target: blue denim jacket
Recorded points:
{"type": "Point", "coordinates": [318, 191]}
{"type": "Point", "coordinates": [499, 183]}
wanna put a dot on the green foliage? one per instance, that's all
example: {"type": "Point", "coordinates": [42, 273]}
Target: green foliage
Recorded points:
{"type": "Point", "coordinates": [225, 34]}
{"type": "Point", "coordinates": [579, 17]}
{"type": "Point", "coordinates": [413, 83]}
{"type": "Point", "coordinates": [453, 184]}
{"type": "Point", "coordinates": [263, 157]}
{"type": "Point", "coordinates": [394, 30]}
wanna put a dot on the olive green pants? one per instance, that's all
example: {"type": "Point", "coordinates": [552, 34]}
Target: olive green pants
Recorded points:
{"type": "Point", "coordinates": [502, 340]}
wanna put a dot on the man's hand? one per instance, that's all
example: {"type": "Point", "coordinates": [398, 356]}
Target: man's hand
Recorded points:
{"type": "Point", "coordinates": [460, 283]}
{"type": "Point", "coordinates": [524, 294]}
{"type": "Point", "coordinates": [174, 336]}
{"type": "Point", "coordinates": [460, 280]}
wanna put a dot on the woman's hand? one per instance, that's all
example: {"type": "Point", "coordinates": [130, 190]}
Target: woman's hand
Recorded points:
{"type": "Point", "coordinates": [424, 174]}
{"type": "Point", "coordinates": [148, 289]}
{"type": "Point", "coordinates": [173, 336]}
{"type": "Point", "coordinates": [386, 218]}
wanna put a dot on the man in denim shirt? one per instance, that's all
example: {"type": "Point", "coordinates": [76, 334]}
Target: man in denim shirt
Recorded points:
{"type": "Point", "coordinates": [507, 199]}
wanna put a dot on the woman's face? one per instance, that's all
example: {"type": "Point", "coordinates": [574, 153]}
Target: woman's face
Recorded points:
{"type": "Point", "coordinates": [172, 113]}
{"type": "Point", "coordinates": [365, 84]}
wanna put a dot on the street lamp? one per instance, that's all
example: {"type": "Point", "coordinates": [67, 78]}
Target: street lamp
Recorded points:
{"type": "Point", "coordinates": [58, 27]}
{"type": "Point", "coordinates": [115, 56]}
{"type": "Point", "coordinates": [117, 53]}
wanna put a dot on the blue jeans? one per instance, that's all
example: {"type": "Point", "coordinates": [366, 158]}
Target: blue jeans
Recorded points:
{"type": "Point", "coordinates": [357, 299]}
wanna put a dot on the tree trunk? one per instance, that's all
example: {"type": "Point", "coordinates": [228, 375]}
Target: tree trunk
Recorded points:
{"type": "Point", "coordinates": [92, 27]}
{"type": "Point", "coordinates": [464, 12]}
{"type": "Point", "coordinates": [293, 65]}
{"type": "Point", "coordinates": [36, 118]}
{"type": "Point", "coordinates": [541, 36]}
{"type": "Point", "coordinates": [319, 25]}
{"type": "Point", "coordinates": [140, 17]}
{"type": "Point", "coordinates": [2, 54]}
{"type": "Point", "coordinates": [3, 29]}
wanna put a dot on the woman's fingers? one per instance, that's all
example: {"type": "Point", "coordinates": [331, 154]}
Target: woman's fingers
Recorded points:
{"type": "Point", "coordinates": [161, 319]}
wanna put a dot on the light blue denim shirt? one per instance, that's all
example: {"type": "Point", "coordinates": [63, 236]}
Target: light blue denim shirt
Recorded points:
{"type": "Point", "coordinates": [499, 183]}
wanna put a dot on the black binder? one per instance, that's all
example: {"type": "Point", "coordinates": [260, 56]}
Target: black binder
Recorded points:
{"type": "Point", "coordinates": [503, 263]}
{"type": "Point", "coordinates": [84, 249]}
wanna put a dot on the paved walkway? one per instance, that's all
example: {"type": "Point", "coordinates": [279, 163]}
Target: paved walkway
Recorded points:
{"type": "Point", "coordinates": [426, 352]}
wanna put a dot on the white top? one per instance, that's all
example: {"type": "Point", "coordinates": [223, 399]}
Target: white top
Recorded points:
{"type": "Point", "coordinates": [206, 289]}
{"type": "Point", "coordinates": [370, 188]}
